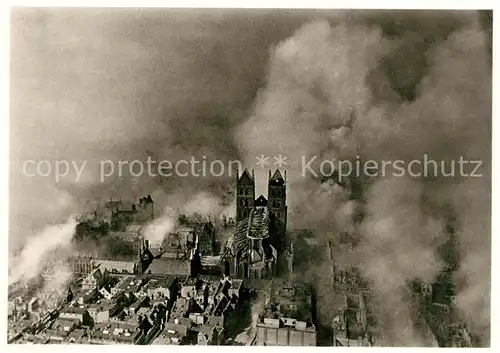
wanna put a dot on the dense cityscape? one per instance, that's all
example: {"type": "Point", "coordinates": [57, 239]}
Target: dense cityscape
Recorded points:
{"type": "Point", "coordinates": [179, 292]}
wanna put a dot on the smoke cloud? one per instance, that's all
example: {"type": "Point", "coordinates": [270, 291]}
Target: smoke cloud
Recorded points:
{"type": "Point", "coordinates": [91, 85]}
{"type": "Point", "coordinates": [60, 276]}
{"type": "Point", "coordinates": [203, 205]}
{"type": "Point", "coordinates": [333, 92]}
{"type": "Point", "coordinates": [159, 228]}
{"type": "Point", "coordinates": [34, 257]}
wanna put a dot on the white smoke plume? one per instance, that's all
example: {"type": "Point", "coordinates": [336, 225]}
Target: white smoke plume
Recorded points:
{"type": "Point", "coordinates": [58, 276]}
{"type": "Point", "coordinates": [203, 204]}
{"type": "Point", "coordinates": [35, 255]}
{"type": "Point", "coordinates": [329, 95]}
{"type": "Point", "coordinates": [257, 309]}
{"type": "Point", "coordinates": [159, 228]}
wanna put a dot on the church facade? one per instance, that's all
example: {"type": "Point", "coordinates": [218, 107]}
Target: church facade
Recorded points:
{"type": "Point", "coordinates": [258, 246]}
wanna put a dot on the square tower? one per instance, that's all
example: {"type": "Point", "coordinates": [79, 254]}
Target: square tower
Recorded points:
{"type": "Point", "coordinates": [245, 195]}
{"type": "Point", "coordinates": [276, 196]}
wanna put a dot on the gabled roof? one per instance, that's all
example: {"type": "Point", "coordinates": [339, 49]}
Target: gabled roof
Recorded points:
{"type": "Point", "coordinates": [261, 201]}
{"type": "Point", "coordinates": [74, 310]}
{"type": "Point", "coordinates": [277, 179]}
{"type": "Point", "coordinates": [116, 266]}
{"type": "Point", "coordinates": [210, 261]}
{"type": "Point", "coordinates": [134, 228]}
{"type": "Point", "coordinates": [239, 241]}
{"type": "Point", "coordinates": [165, 266]}
{"type": "Point", "coordinates": [126, 206]}
{"type": "Point", "coordinates": [245, 178]}
{"type": "Point", "coordinates": [97, 274]}
{"type": "Point", "coordinates": [206, 329]}
{"type": "Point", "coordinates": [259, 223]}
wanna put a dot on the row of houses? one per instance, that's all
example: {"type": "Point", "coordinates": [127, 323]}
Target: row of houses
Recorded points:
{"type": "Point", "coordinates": [203, 312]}
{"type": "Point", "coordinates": [142, 309]}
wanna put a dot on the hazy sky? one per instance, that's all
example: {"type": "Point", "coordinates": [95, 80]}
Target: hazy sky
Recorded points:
{"type": "Point", "coordinates": [93, 84]}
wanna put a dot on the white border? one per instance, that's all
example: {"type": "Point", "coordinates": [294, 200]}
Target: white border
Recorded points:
{"type": "Point", "coordinates": [304, 4]}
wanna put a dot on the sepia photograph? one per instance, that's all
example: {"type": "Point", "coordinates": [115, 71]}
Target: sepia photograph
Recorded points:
{"type": "Point", "coordinates": [250, 177]}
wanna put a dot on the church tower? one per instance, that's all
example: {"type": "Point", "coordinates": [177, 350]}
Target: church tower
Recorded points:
{"type": "Point", "coordinates": [245, 195]}
{"type": "Point", "coordinates": [276, 196]}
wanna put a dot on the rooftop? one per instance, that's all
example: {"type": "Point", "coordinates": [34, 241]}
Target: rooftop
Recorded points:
{"type": "Point", "coordinates": [166, 266]}
{"type": "Point", "coordinates": [277, 179]}
{"type": "Point", "coordinates": [124, 234]}
{"type": "Point", "coordinates": [116, 266]}
{"type": "Point", "coordinates": [137, 303]}
{"type": "Point", "coordinates": [181, 306]}
{"type": "Point", "coordinates": [129, 283]}
{"type": "Point", "coordinates": [288, 300]}
{"type": "Point", "coordinates": [136, 228]}
{"type": "Point", "coordinates": [258, 225]}
{"type": "Point", "coordinates": [74, 310]}
{"type": "Point", "coordinates": [115, 331]}
{"type": "Point", "coordinates": [176, 330]}
{"type": "Point", "coordinates": [206, 329]}
{"type": "Point", "coordinates": [126, 206]}
{"type": "Point", "coordinates": [184, 229]}
{"type": "Point", "coordinates": [245, 178]}
{"type": "Point", "coordinates": [78, 333]}
{"type": "Point", "coordinates": [62, 322]}
{"type": "Point", "coordinates": [102, 304]}
{"type": "Point", "coordinates": [236, 283]}
{"type": "Point", "coordinates": [190, 281]}
{"type": "Point", "coordinates": [160, 283]}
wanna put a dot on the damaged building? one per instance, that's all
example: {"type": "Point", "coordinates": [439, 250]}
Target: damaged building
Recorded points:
{"type": "Point", "coordinates": [288, 317]}
{"type": "Point", "coordinates": [258, 247]}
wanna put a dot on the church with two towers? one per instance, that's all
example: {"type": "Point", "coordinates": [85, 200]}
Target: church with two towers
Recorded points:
{"type": "Point", "coordinates": [258, 248]}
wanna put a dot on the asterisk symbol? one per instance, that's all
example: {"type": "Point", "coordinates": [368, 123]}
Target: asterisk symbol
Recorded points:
{"type": "Point", "coordinates": [280, 161]}
{"type": "Point", "coordinates": [262, 161]}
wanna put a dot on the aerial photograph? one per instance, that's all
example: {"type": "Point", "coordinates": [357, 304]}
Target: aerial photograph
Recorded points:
{"type": "Point", "coordinates": [250, 177]}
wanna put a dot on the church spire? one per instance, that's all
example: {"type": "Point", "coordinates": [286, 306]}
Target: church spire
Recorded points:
{"type": "Point", "coordinates": [277, 178]}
